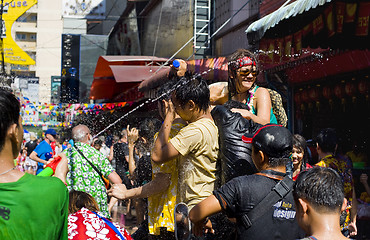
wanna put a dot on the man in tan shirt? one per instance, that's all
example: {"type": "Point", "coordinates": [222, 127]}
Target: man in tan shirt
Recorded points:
{"type": "Point", "coordinates": [197, 143]}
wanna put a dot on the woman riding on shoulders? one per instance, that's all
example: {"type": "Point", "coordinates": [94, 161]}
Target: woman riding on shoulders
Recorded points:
{"type": "Point", "coordinates": [243, 71]}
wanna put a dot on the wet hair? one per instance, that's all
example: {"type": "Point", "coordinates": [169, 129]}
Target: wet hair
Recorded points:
{"type": "Point", "coordinates": [300, 143]}
{"type": "Point", "coordinates": [275, 161]}
{"type": "Point", "coordinates": [235, 104]}
{"type": "Point", "coordinates": [78, 200]}
{"type": "Point", "coordinates": [321, 187]}
{"type": "Point", "coordinates": [148, 127]}
{"type": "Point", "coordinates": [98, 142]}
{"type": "Point", "coordinates": [195, 89]}
{"type": "Point", "coordinates": [327, 140]}
{"type": "Point", "coordinates": [165, 92]}
{"type": "Point", "coordinates": [240, 53]}
{"type": "Point", "coordinates": [10, 109]}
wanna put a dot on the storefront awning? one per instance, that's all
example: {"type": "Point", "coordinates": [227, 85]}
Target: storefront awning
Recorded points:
{"type": "Point", "coordinates": [115, 75]}
{"type": "Point", "coordinates": [258, 28]}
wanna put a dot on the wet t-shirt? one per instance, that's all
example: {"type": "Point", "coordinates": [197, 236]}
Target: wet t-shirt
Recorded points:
{"type": "Point", "coordinates": [198, 145]}
{"type": "Point", "coordinates": [120, 151]}
{"type": "Point", "coordinates": [143, 171]}
{"type": "Point", "coordinates": [240, 195]}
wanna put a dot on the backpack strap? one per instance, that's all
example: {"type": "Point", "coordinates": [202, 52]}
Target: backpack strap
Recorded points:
{"type": "Point", "coordinates": [279, 191]}
{"type": "Point", "coordinates": [105, 181]}
{"type": "Point", "coordinates": [110, 224]}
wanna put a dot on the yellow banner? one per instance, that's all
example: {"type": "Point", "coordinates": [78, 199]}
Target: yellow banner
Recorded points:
{"type": "Point", "coordinates": [13, 9]}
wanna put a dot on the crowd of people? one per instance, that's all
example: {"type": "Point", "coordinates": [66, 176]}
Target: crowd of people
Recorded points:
{"type": "Point", "coordinates": [217, 164]}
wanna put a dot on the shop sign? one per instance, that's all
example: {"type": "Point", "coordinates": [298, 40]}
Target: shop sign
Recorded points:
{"type": "Point", "coordinates": [340, 8]}
{"type": "Point", "coordinates": [329, 20]}
{"type": "Point", "coordinates": [362, 28]}
{"type": "Point", "coordinates": [318, 24]}
{"type": "Point", "coordinates": [350, 12]}
{"type": "Point", "coordinates": [12, 52]}
{"type": "Point", "coordinates": [298, 41]}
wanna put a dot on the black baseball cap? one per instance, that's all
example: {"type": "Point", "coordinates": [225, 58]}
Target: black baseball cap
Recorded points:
{"type": "Point", "coordinates": [274, 140]}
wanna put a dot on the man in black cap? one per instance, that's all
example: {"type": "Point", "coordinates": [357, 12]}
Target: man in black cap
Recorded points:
{"type": "Point", "coordinates": [262, 203]}
{"type": "Point", "coordinates": [43, 152]}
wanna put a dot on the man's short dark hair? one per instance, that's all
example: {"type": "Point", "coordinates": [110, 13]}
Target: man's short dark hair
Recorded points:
{"type": "Point", "coordinates": [195, 89]}
{"type": "Point", "coordinates": [10, 109]}
{"type": "Point", "coordinates": [327, 140]}
{"type": "Point", "coordinates": [273, 140]}
{"type": "Point", "coordinates": [321, 187]}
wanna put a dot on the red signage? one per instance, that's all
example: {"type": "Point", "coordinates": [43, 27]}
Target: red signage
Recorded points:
{"type": "Point", "coordinates": [339, 8]}
{"type": "Point", "coordinates": [318, 24]}
{"type": "Point", "coordinates": [362, 27]}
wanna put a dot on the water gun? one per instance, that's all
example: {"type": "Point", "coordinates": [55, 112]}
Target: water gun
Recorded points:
{"type": "Point", "coordinates": [50, 167]}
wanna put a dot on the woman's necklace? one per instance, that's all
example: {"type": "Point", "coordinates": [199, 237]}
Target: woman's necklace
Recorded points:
{"type": "Point", "coordinates": [8, 170]}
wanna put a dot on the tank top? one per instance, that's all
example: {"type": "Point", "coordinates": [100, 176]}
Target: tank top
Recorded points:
{"type": "Point", "coordinates": [249, 103]}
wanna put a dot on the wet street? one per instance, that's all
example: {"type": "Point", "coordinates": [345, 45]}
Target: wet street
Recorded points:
{"type": "Point", "coordinates": [119, 215]}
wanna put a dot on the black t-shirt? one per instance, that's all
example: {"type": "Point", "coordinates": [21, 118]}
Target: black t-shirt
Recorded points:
{"type": "Point", "coordinates": [120, 151]}
{"type": "Point", "coordinates": [143, 171]}
{"type": "Point", "coordinates": [240, 195]}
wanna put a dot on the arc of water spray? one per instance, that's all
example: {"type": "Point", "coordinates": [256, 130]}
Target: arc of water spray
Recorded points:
{"type": "Point", "coordinates": [150, 101]}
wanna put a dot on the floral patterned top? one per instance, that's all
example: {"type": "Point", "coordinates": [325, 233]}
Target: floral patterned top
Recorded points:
{"type": "Point", "coordinates": [85, 224]}
{"type": "Point", "coordinates": [344, 168]}
{"type": "Point", "coordinates": [82, 177]}
{"type": "Point", "coordinates": [161, 206]}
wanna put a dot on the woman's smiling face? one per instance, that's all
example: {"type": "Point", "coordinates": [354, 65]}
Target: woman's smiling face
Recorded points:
{"type": "Point", "coordinates": [297, 156]}
{"type": "Point", "coordinates": [245, 77]}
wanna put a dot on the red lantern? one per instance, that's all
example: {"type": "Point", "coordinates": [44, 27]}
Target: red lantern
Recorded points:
{"type": "Point", "coordinates": [350, 89]}
{"type": "Point", "coordinates": [339, 91]}
{"type": "Point", "coordinates": [305, 96]}
{"type": "Point", "coordinates": [363, 87]}
{"type": "Point", "coordinates": [298, 98]}
{"type": "Point", "coordinates": [327, 92]}
{"type": "Point", "coordinates": [314, 94]}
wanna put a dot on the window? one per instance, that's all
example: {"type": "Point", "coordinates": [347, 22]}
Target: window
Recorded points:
{"type": "Point", "coordinates": [33, 18]}
{"type": "Point", "coordinates": [33, 37]}
{"type": "Point", "coordinates": [20, 36]}
{"type": "Point", "coordinates": [22, 18]}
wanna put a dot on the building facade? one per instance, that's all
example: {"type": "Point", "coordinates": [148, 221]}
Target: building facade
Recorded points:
{"type": "Point", "coordinates": [38, 34]}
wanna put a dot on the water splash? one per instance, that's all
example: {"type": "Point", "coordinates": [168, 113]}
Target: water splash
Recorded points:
{"type": "Point", "coordinates": [148, 101]}
{"type": "Point", "coordinates": [317, 55]}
